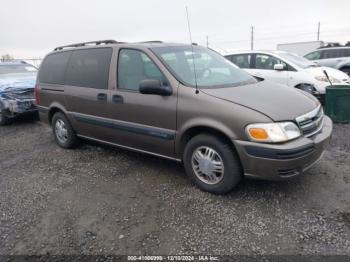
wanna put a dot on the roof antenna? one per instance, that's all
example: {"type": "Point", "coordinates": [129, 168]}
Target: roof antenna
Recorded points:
{"type": "Point", "coordinates": [194, 64]}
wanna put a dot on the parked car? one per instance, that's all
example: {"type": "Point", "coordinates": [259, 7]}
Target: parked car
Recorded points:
{"type": "Point", "coordinates": [17, 80]}
{"type": "Point", "coordinates": [336, 57]}
{"type": "Point", "coordinates": [181, 102]}
{"type": "Point", "coordinates": [288, 69]}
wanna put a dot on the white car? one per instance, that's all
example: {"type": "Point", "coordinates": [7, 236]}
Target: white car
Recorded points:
{"type": "Point", "coordinates": [288, 69]}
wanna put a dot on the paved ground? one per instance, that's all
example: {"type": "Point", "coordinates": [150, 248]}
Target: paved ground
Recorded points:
{"type": "Point", "coordinates": [100, 200]}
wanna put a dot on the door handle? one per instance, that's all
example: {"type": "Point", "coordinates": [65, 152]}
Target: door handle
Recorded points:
{"type": "Point", "coordinates": [117, 99]}
{"type": "Point", "coordinates": [102, 97]}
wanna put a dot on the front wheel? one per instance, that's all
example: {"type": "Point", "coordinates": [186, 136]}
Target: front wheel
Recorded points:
{"type": "Point", "coordinates": [212, 164]}
{"type": "Point", "coordinates": [346, 70]}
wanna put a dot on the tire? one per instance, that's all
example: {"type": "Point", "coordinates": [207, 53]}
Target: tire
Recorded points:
{"type": "Point", "coordinates": [346, 70]}
{"type": "Point", "coordinates": [63, 132]}
{"type": "Point", "coordinates": [229, 172]}
{"type": "Point", "coordinates": [4, 120]}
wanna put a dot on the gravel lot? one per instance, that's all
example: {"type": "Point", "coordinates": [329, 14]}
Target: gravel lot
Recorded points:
{"type": "Point", "coordinates": [102, 200]}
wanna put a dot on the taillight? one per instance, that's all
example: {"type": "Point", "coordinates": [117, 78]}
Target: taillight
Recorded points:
{"type": "Point", "coordinates": [36, 95]}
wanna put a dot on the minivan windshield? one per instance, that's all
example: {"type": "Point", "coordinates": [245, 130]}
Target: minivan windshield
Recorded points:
{"type": "Point", "coordinates": [204, 66]}
{"type": "Point", "coordinates": [297, 60]}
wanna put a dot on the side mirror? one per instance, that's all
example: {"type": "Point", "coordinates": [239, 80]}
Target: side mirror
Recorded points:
{"type": "Point", "coordinates": [278, 67]}
{"type": "Point", "coordinates": [154, 87]}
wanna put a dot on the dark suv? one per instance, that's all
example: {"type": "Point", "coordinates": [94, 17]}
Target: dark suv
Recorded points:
{"type": "Point", "coordinates": [181, 102]}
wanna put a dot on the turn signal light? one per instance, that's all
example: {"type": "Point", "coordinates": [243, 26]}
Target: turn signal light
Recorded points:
{"type": "Point", "coordinates": [258, 133]}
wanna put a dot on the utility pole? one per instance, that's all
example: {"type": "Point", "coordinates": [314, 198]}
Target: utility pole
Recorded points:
{"type": "Point", "coordinates": [207, 41]}
{"type": "Point", "coordinates": [318, 31]}
{"type": "Point", "coordinates": [252, 38]}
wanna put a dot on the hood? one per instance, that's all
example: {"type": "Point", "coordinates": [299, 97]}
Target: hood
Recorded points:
{"type": "Point", "coordinates": [17, 81]}
{"type": "Point", "coordinates": [335, 73]}
{"type": "Point", "coordinates": [276, 101]}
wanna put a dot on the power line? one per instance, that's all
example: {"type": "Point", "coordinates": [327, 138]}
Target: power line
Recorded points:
{"type": "Point", "coordinates": [326, 32]}
{"type": "Point", "coordinates": [221, 38]}
{"type": "Point", "coordinates": [300, 26]}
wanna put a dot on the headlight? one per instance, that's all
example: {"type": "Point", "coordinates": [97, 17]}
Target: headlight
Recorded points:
{"type": "Point", "coordinates": [273, 132]}
{"type": "Point", "coordinates": [308, 88]}
{"type": "Point", "coordinates": [324, 79]}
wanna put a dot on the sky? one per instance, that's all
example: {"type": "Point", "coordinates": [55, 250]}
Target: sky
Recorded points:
{"type": "Point", "coordinates": [30, 29]}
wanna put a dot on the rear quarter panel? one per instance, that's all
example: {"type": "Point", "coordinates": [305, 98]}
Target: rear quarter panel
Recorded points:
{"type": "Point", "coordinates": [51, 96]}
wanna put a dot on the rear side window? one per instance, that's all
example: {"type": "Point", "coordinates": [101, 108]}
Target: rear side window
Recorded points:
{"type": "Point", "coordinates": [243, 61]}
{"type": "Point", "coordinates": [53, 68]}
{"type": "Point", "coordinates": [89, 68]}
{"type": "Point", "coordinates": [345, 52]}
{"type": "Point", "coordinates": [333, 53]}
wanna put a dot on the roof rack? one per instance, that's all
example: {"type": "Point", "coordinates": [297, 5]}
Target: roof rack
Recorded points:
{"type": "Point", "coordinates": [328, 45]}
{"type": "Point", "coordinates": [88, 43]}
{"type": "Point", "coordinates": [152, 41]}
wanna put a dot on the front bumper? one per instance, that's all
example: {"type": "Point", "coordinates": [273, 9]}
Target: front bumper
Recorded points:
{"type": "Point", "coordinates": [15, 107]}
{"type": "Point", "coordinates": [283, 161]}
{"type": "Point", "coordinates": [15, 101]}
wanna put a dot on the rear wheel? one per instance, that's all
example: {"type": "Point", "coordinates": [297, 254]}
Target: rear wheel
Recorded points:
{"type": "Point", "coordinates": [212, 164]}
{"type": "Point", "coordinates": [63, 131]}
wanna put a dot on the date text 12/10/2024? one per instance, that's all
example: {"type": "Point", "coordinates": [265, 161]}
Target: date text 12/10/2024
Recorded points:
{"type": "Point", "coordinates": [172, 258]}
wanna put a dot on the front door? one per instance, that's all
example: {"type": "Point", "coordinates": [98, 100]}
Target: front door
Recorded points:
{"type": "Point", "coordinates": [264, 68]}
{"type": "Point", "coordinates": [144, 122]}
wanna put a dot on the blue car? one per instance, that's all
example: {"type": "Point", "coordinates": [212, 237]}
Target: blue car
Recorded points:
{"type": "Point", "coordinates": [17, 82]}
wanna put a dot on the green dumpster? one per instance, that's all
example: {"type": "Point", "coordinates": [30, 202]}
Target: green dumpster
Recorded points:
{"type": "Point", "coordinates": [337, 104]}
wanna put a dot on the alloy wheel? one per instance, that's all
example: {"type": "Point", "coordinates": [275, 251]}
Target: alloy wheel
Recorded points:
{"type": "Point", "coordinates": [61, 131]}
{"type": "Point", "coordinates": [207, 165]}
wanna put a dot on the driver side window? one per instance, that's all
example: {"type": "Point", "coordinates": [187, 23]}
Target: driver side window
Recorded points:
{"type": "Point", "coordinates": [267, 62]}
{"type": "Point", "coordinates": [135, 66]}
{"type": "Point", "coordinates": [243, 61]}
{"type": "Point", "coordinates": [314, 55]}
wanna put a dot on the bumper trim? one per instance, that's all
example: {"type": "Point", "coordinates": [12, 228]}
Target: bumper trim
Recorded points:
{"type": "Point", "coordinates": [284, 154]}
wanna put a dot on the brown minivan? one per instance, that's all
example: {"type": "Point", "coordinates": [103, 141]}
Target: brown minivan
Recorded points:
{"type": "Point", "coordinates": [181, 102]}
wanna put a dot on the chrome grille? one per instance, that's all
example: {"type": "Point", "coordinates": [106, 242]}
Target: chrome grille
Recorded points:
{"type": "Point", "coordinates": [311, 123]}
